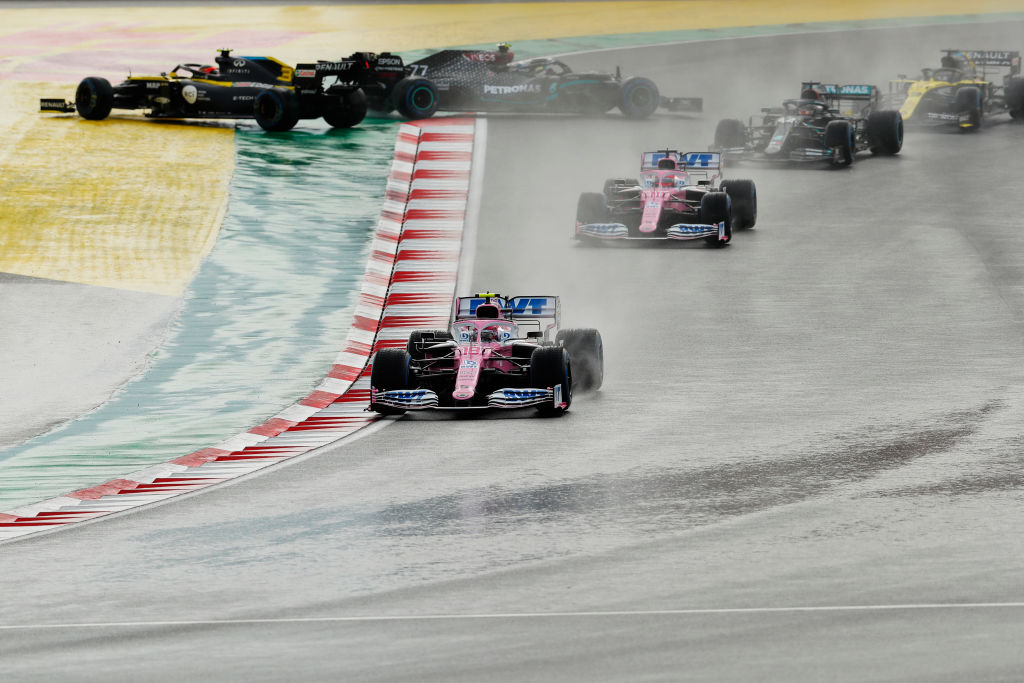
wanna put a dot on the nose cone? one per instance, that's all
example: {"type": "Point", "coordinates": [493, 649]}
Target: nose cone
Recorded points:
{"type": "Point", "coordinates": [468, 375]}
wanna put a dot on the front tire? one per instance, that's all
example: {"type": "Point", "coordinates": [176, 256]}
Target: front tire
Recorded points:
{"type": "Point", "coordinates": [389, 371]}
{"type": "Point", "coordinates": [348, 110]}
{"type": "Point", "coordinates": [743, 197]}
{"type": "Point", "coordinates": [586, 354]}
{"type": "Point", "coordinates": [550, 367]}
{"type": "Point", "coordinates": [590, 208]}
{"type": "Point", "coordinates": [839, 138]}
{"type": "Point", "coordinates": [639, 98]}
{"type": "Point", "coordinates": [885, 132]}
{"type": "Point", "coordinates": [415, 98]}
{"type": "Point", "coordinates": [94, 98]}
{"type": "Point", "coordinates": [714, 209]}
{"type": "Point", "coordinates": [276, 110]}
{"type": "Point", "coordinates": [968, 101]}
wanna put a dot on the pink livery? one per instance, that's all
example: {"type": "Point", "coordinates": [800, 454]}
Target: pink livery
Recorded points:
{"type": "Point", "coordinates": [678, 196]}
{"type": "Point", "coordinates": [499, 352]}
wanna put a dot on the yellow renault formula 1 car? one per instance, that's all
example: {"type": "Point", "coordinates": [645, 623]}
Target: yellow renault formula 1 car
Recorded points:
{"type": "Point", "coordinates": [960, 91]}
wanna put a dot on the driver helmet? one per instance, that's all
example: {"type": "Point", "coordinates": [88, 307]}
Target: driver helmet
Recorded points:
{"type": "Point", "coordinates": [489, 334]}
{"type": "Point", "coordinates": [504, 54]}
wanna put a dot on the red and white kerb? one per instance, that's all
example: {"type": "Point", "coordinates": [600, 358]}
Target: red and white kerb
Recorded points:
{"type": "Point", "coordinates": [409, 284]}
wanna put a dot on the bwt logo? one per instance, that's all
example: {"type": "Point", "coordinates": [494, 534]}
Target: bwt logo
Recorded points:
{"type": "Point", "coordinates": [519, 306]}
{"type": "Point", "coordinates": [529, 306]}
{"type": "Point", "coordinates": [700, 160]}
{"type": "Point", "coordinates": [522, 394]}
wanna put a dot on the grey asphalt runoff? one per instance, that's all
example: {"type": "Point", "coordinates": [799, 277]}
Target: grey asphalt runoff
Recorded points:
{"type": "Point", "coordinates": [805, 463]}
{"type": "Point", "coordinates": [68, 347]}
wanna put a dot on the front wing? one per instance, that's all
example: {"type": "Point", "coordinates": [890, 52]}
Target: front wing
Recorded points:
{"type": "Point", "coordinates": [679, 231]}
{"type": "Point", "coordinates": [695, 104]}
{"type": "Point", "coordinates": [425, 399]}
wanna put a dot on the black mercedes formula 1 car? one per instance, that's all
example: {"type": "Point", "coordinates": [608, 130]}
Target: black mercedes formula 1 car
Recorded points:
{"type": "Point", "coordinates": [475, 80]}
{"type": "Point", "coordinates": [263, 88]}
{"type": "Point", "coordinates": [828, 123]}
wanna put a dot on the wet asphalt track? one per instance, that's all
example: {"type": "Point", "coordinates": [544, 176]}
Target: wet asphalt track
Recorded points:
{"type": "Point", "coordinates": [824, 415]}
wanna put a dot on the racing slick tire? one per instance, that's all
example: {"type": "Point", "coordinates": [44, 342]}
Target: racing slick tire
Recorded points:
{"type": "Point", "coordinates": [1014, 94]}
{"type": "Point", "coordinates": [730, 134]}
{"type": "Point", "coordinates": [839, 136]}
{"type": "Point", "coordinates": [590, 208]}
{"type": "Point", "coordinates": [885, 132]}
{"type": "Point", "coordinates": [94, 98]}
{"type": "Point", "coordinates": [419, 337]}
{"type": "Point", "coordinates": [715, 207]}
{"type": "Point", "coordinates": [586, 354]}
{"type": "Point", "coordinates": [743, 197]}
{"type": "Point", "coordinates": [639, 98]}
{"type": "Point", "coordinates": [276, 110]}
{"type": "Point", "coordinates": [348, 110]}
{"type": "Point", "coordinates": [390, 371]}
{"type": "Point", "coordinates": [968, 101]}
{"type": "Point", "coordinates": [613, 184]}
{"type": "Point", "coordinates": [415, 97]}
{"type": "Point", "coordinates": [549, 367]}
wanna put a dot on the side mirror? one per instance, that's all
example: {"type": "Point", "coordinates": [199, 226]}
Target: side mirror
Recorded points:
{"type": "Point", "coordinates": [534, 335]}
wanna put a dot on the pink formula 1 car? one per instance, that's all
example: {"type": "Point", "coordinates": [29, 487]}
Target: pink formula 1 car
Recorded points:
{"type": "Point", "coordinates": [678, 197]}
{"type": "Point", "coordinates": [498, 353]}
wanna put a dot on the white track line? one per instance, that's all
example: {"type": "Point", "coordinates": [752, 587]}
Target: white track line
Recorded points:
{"type": "Point", "coordinates": [471, 224]}
{"type": "Point", "coordinates": [725, 611]}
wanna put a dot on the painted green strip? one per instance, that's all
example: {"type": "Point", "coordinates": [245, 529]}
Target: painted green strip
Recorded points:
{"type": "Point", "coordinates": [260, 325]}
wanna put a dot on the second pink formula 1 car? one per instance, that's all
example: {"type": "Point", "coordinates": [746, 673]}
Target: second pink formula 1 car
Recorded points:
{"type": "Point", "coordinates": [677, 197]}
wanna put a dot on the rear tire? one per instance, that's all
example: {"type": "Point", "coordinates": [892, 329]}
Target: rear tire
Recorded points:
{"type": "Point", "coordinates": [586, 354]}
{"type": "Point", "coordinates": [389, 371]}
{"type": "Point", "coordinates": [639, 98]}
{"type": "Point", "coordinates": [839, 137]}
{"type": "Point", "coordinates": [885, 132]}
{"type": "Point", "coordinates": [743, 196]}
{"type": "Point", "coordinates": [730, 133]}
{"type": "Point", "coordinates": [276, 110]}
{"type": "Point", "coordinates": [415, 97]}
{"type": "Point", "coordinates": [968, 101]}
{"type": "Point", "coordinates": [417, 339]}
{"type": "Point", "coordinates": [1014, 94]}
{"type": "Point", "coordinates": [612, 185]}
{"type": "Point", "coordinates": [549, 367]}
{"type": "Point", "coordinates": [94, 98]}
{"type": "Point", "coordinates": [715, 208]}
{"type": "Point", "coordinates": [348, 110]}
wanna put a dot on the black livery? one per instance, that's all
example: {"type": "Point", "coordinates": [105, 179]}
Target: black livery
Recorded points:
{"type": "Point", "coordinates": [475, 80]}
{"type": "Point", "coordinates": [828, 123]}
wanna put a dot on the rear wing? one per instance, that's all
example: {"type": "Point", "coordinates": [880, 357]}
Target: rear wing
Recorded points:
{"type": "Point", "coordinates": [356, 70]}
{"type": "Point", "coordinates": [542, 313]}
{"type": "Point", "coordinates": [983, 58]}
{"type": "Point", "coordinates": [688, 161]}
{"type": "Point", "coordinates": [835, 92]}
{"type": "Point", "coordinates": [849, 100]}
